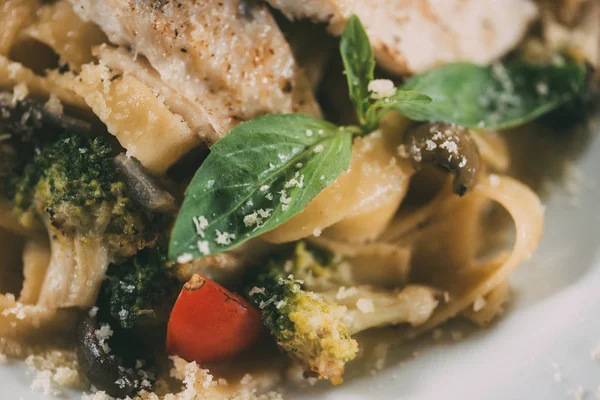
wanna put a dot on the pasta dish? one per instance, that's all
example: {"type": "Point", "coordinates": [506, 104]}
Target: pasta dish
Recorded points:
{"type": "Point", "coordinates": [214, 199]}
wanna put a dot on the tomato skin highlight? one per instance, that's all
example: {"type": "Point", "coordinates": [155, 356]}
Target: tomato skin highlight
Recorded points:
{"type": "Point", "coordinates": [209, 323]}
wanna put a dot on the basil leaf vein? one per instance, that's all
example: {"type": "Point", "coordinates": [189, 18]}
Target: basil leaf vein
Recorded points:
{"type": "Point", "coordinates": [258, 176]}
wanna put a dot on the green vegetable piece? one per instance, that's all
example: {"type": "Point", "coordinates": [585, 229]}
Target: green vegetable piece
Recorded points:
{"type": "Point", "coordinates": [140, 289]}
{"type": "Point", "coordinates": [73, 184]}
{"type": "Point", "coordinates": [359, 64]}
{"type": "Point", "coordinates": [493, 97]}
{"type": "Point", "coordinates": [378, 108]}
{"type": "Point", "coordinates": [257, 177]}
{"type": "Point", "coordinates": [306, 325]}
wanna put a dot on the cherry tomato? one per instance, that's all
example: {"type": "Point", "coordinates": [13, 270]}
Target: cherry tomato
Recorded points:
{"type": "Point", "coordinates": [209, 323]}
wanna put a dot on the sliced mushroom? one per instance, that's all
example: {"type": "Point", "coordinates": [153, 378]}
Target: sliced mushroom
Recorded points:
{"type": "Point", "coordinates": [100, 366]}
{"type": "Point", "coordinates": [448, 146]}
{"type": "Point", "coordinates": [143, 187]}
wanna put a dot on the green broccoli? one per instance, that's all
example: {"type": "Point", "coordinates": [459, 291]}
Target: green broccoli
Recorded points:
{"type": "Point", "coordinates": [312, 305]}
{"type": "Point", "coordinates": [73, 187]}
{"type": "Point", "coordinates": [141, 288]}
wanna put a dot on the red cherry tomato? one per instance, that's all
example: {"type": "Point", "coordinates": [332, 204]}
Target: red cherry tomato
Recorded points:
{"type": "Point", "coordinates": [209, 323]}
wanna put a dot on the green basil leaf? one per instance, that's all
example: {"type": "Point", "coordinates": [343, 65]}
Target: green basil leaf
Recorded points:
{"type": "Point", "coordinates": [359, 65]}
{"type": "Point", "coordinates": [262, 173]}
{"type": "Point", "coordinates": [377, 109]}
{"type": "Point", "coordinates": [493, 97]}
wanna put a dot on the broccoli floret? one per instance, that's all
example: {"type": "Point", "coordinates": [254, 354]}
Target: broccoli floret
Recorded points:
{"type": "Point", "coordinates": [312, 305]}
{"type": "Point", "coordinates": [143, 288]}
{"type": "Point", "coordinates": [74, 186]}
{"type": "Point", "coordinates": [305, 325]}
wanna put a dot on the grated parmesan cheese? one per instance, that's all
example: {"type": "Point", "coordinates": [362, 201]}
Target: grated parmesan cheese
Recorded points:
{"type": "Point", "coordinates": [54, 105]}
{"type": "Point", "coordinates": [203, 247]}
{"type": "Point", "coordinates": [43, 383]}
{"type": "Point", "coordinates": [494, 180]}
{"type": "Point", "coordinates": [20, 92]}
{"type": "Point", "coordinates": [381, 88]}
{"type": "Point", "coordinates": [185, 258]}
{"type": "Point", "coordinates": [446, 297]}
{"type": "Point", "coordinates": [18, 311]}
{"type": "Point", "coordinates": [312, 381]}
{"type": "Point", "coordinates": [224, 238]}
{"type": "Point", "coordinates": [541, 88]}
{"type": "Point", "coordinates": [319, 148]}
{"type": "Point", "coordinates": [317, 232]}
{"type": "Point", "coordinates": [343, 293]}
{"type": "Point", "coordinates": [256, 290]}
{"type": "Point", "coordinates": [403, 151]}
{"type": "Point", "coordinates": [430, 145]}
{"type": "Point", "coordinates": [449, 145]}
{"type": "Point", "coordinates": [201, 223]}
{"type": "Point", "coordinates": [365, 305]}
{"type": "Point", "coordinates": [103, 334]}
{"type": "Point", "coordinates": [479, 303]}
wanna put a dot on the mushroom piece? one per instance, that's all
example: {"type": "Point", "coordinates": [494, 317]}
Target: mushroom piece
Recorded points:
{"type": "Point", "coordinates": [98, 364]}
{"type": "Point", "coordinates": [143, 187]}
{"type": "Point", "coordinates": [448, 146]}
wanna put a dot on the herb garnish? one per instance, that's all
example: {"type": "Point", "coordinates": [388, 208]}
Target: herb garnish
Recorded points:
{"type": "Point", "coordinates": [499, 96]}
{"type": "Point", "coordinates": [267, 170]}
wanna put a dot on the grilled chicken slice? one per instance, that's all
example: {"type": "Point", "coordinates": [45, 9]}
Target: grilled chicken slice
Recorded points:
{"type": "Point", "coordinates": [227, 56]}
{"type": "Point", "coordinates": [411, 36]}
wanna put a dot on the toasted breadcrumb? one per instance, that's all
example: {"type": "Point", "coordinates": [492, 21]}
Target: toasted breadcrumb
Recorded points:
{"type": "Point", "coordinates": [55, 368]}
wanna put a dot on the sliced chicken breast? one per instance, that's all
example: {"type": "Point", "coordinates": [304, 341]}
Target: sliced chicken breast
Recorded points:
{"type": "Point", "coordinates": [226, 56]}
{"type": "Point", "coordinates": [410, 36]}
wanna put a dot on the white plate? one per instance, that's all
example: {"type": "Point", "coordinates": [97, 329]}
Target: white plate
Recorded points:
{"type": "Point", "coordinates": [540, 349]}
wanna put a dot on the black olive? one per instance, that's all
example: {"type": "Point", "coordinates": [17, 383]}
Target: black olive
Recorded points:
{"type": "Point", "coordinates": [448, 146]}
{"type": "Point", "coordinates": [101, 368]}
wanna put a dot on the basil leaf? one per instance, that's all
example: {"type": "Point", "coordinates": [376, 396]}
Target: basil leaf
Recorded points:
{"type": "Point", "coordinates": [359, 65]}
{"type": "Point", "coordinates": [493, 97]}
{"type": "Point", "coordinates": [262, 173]}
{"type": "Point", "coordinates": [377, 109]}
